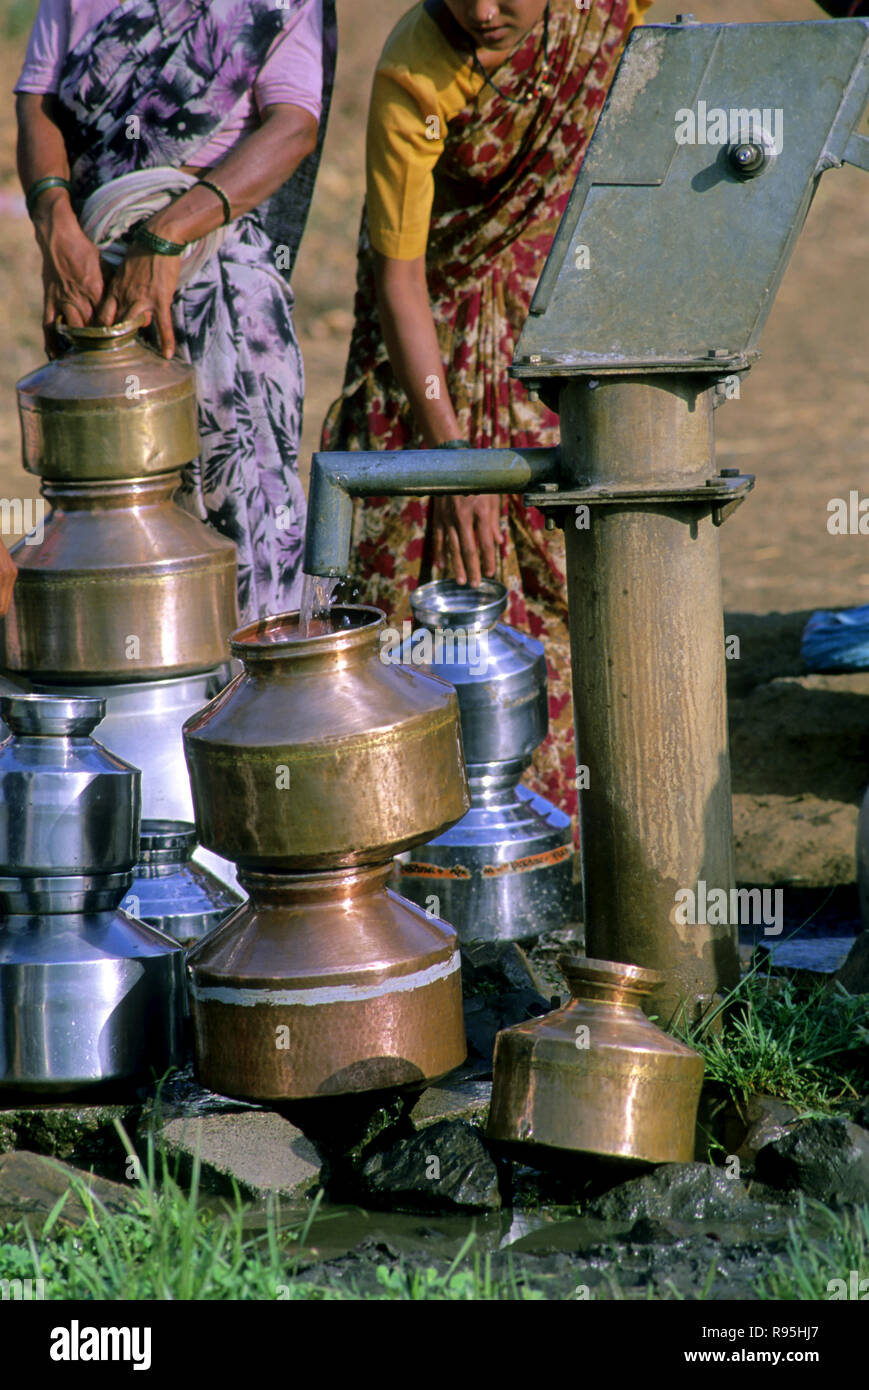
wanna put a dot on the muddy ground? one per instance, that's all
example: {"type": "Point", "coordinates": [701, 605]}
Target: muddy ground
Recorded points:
{"type": "Point", "coordinates": [801, 425]}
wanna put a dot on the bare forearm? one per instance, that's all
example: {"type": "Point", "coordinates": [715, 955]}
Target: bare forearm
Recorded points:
{"type": "Point", "coordinates": [257, 166]}
{"type": "Point", "coordinates": [412, 343]}
{"type": "Point", "coordinates": [41, 153]}
{"type": "Point", "coordinates": [41, 150]}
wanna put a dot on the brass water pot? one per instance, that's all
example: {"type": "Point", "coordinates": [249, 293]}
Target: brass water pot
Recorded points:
{"type": "Point", "coordinates": [323, 984]}
{"type": "Point", "coordinates": [597, 1075]}
{"type": "Point", "coordinates": [321, 755]}
{"type": "Point", "coordinates": [124, 586]}
{"type": "Point", "coordinates": [110, 407]}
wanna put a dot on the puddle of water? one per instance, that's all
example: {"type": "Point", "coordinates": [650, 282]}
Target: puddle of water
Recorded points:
{"type": "Point", "coordinates": [336, 1230]}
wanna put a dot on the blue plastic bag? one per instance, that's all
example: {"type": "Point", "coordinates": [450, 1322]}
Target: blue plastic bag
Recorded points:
{"type": "Point", "coordinates": [837, 641]}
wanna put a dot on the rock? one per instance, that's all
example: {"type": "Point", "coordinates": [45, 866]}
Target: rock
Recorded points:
{"type": "Point", "coordinates": [853, 973]}
{"type": "Point", "coordinates": [82, 1133]}
{"type": "Point", "coordinates": [445, 1167]}
{"type": "Point", "coordinates": [258, 1149]}
{"type": "Point", "coordinates": [458, 1100]}
{"type": "Point", "coordinates": [486, 1015]}
{"type": "Point", "coordinates": [827, 1159]}
{"type": "Point", "coordinates": [30, 1185]}
{"type": "Point", "coordinates": [674, 1192]}
{"type": "Point", "coordinates": [491, 967]}
{"type": "Point", "coordinates": [766, 1119]}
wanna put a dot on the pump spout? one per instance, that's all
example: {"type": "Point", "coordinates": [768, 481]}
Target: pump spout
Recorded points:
{"type": "Point", "coordinates": [336, 478]}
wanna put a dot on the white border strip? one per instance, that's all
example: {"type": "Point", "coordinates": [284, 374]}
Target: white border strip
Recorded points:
{"type": "Point", "coordinates": [330, 994]}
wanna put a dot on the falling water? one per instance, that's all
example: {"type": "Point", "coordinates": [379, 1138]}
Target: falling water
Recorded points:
{"type": "Point", "coordinates": [315, 604]}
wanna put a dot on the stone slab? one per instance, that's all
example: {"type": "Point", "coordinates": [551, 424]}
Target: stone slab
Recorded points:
{"type": "Point", "coordinates": [261, 1151]}
{"type": "Point", "coordinates": [460, 1100]}
{"type": "Point", "coordinates": [30, 1185]}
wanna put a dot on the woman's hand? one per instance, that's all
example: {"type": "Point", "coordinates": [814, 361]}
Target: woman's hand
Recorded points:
{"type": "Point", "coordinates": [8, 571]}
{"type": "Point", "coordinates": [467, 535]}
{"type": "Point", "coordinates": [143, 284]}
{"type": "Point", "coordinates": [72, 277]}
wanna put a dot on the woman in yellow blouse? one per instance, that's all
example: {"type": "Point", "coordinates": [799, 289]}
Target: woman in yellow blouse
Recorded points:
{"type": "Point", "coordinates": [480, 114]}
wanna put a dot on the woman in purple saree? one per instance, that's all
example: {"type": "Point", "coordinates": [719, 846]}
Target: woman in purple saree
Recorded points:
{"type": "Point", "coordinates": [235, 93]}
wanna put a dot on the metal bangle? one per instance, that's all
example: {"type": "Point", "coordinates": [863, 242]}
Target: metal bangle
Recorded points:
{"type": "Point", "coordinates": [227, 206]}
{"type": "Point", "coordinates": [141, 236]}
{"type": "Point", "coordinates": [40, 186]}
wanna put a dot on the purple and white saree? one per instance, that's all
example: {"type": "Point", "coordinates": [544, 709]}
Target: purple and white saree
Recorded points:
{"type": "Point", "coordinates": [181, 66]}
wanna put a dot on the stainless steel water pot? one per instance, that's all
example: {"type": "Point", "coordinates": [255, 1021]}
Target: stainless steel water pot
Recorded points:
{"type": "Point", "coordinates": [88, 995]}
{"type": "Point", "coordinates": [505, 871]}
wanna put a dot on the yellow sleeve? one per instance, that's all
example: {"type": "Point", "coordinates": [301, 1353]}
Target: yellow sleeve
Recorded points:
{"type": "Point", "coordinates": [406, 127]}
{"type": "Point", "coordinates": [420, 84]}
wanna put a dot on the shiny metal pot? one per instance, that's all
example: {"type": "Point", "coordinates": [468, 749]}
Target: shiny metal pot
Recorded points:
{"type": "Point", "coordinates": [169, 891]}
{"type": "Point", "coordinates": [124, 586]}
{"type": "Point", "coordinates": [499, 673]}
{"type": "Point", "coordinates": [506, 870]}
{"type": "Point", "coordinates": [86, 999]}
{"type": "Point", "coordinates": [323, 984]}
{"type": "Point", "coordinates": [67, 805]}
{"type": "Point", "coordinates": [597, 1075]}
{"type": "Point", "coordinates": [143, 724]}
{"type": "Point", "coordinates": [87, 994]}
{"type": "Point", "coordinates": [109, 408]}
{"type": "Point", "coordinates": [320, 754]}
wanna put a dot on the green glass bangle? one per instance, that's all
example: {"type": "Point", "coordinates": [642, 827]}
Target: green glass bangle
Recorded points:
{"type": "Point", "coordinates": [40, 186]}
{"type": "Point", "coordinates": [157, 244]}
{"type": "Point", "coordinates": [454, 444]}
{"type": "Point", "coordinates": [227, 206]}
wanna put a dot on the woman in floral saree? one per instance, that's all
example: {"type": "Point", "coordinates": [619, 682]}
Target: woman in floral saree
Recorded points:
{"type": "Point", "coordinates": [480, 115]}
{"type": "Point", "coordinates": [234, 93]}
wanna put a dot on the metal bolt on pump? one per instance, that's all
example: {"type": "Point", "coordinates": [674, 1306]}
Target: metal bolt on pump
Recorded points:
{"type": "Point", "coordinates": [683, 218]}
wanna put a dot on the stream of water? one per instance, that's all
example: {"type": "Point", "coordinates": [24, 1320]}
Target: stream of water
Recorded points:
{"type": "Point", "coordinates": [315, 604]}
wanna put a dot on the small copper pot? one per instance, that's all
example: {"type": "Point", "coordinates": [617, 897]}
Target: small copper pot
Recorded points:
{"type": "Point", "coordinates": [597, 1075]}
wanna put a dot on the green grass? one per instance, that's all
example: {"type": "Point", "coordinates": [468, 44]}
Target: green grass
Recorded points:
{"type": "Point", "coordinates": [166, 1247]}
{"type": "Point", "coordinates": [811, 1262]}
{"type": "Point", "coordinates": [805, 1044]}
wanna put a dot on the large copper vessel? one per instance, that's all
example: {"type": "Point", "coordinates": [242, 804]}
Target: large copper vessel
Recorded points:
{"type": "Point", "coordinates": [124, 585]}
{"type": "Point", "coordinates": [322, 984]}
{"type": "Point", "coordinates": [321, 755]}
{"type": "Point", "coordinates": [597, 1075]}
{"type": "Point", "coordinates": [310, 769]}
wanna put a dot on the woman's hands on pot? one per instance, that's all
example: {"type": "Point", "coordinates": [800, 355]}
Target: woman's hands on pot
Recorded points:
{"type": "Point", "coordinates": [72, 274]}
{"type": "Point", "coordinates": [143, 284]}
{"type": "Point", "coordinates": [467, 535]}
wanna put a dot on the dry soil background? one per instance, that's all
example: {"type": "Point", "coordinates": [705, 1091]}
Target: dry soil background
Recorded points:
{"type": "Point", "coordinates": [802, 426]}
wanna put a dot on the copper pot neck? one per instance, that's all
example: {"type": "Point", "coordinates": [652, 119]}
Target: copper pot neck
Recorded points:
{"type": "Point", "coordinates": [608, 982]}
{"type": "Point", "coordinates": [118, 492]}
{"type": "Point", "coordinates": [294, 889]}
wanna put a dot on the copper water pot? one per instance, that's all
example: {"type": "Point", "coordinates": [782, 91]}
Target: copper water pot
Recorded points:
{"type": "Point", "coordinates": [598, 1075]}
{"type": "Point", "coordinates": [323, 984]}
{"type": "Point", "coordinates": [124, 586]}
{"type": "Point", "coordinates": [319, 754]}
{"type": "Point", "coordinates": [110, 407]}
